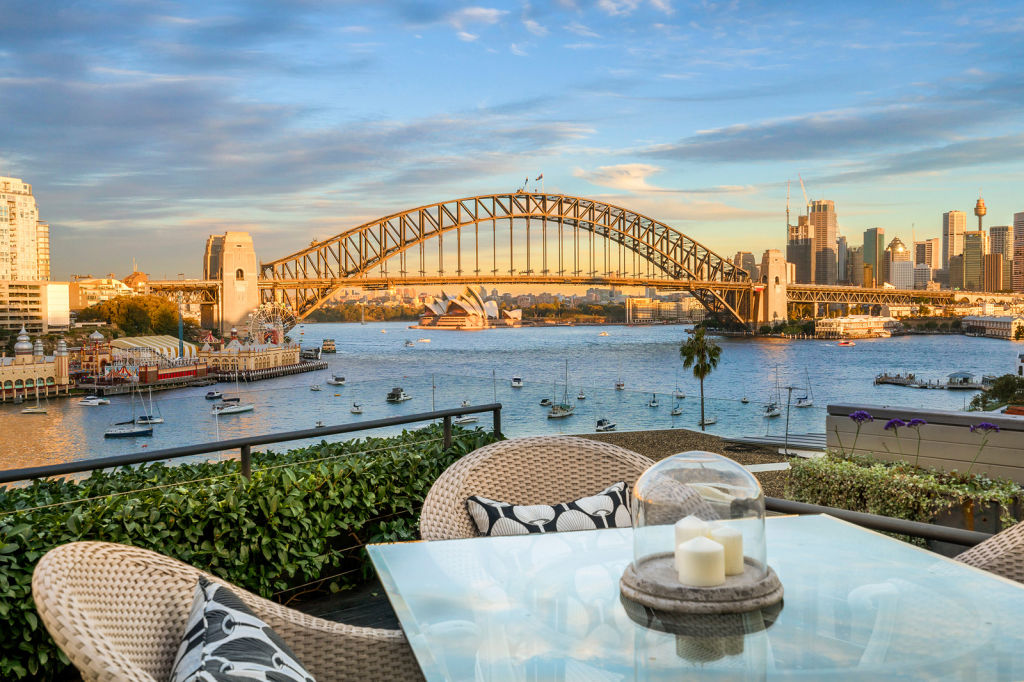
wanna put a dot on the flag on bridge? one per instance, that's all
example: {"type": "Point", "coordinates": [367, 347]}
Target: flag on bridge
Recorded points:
{"type": "Point", "coordinates": [539, 177]}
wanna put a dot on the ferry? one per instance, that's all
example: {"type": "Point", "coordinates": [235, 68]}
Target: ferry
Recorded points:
{"type": "Point", "coordinates": [91, 400]}
{"type": "Point", "coordinates": [397, 395]}
{"type": "Point", "coordinates": [605, 425]}
{"type": "Point", "coordinates": [327, 346]}
{"type": "Point", "coordinates": [517, 382]}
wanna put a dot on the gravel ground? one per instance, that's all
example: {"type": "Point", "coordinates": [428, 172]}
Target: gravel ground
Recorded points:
{"type": "Point", "coordinates": [660, 444]}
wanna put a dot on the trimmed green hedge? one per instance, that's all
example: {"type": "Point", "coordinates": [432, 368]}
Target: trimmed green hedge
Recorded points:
{"type": "Point", "coordinates": [303, 516]}
{"type": "Point", "coordinates": [896, 489]}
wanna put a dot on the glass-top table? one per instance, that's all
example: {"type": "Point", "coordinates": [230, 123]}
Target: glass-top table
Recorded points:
{"type": "Point", "coordinates": [858, 605]}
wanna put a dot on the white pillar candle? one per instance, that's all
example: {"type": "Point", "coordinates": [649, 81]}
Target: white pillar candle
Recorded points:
{"type": "Point", "coordinates": [700, 562]}
{"type": "Point", "coordinates": [689, 528]}
{"type": "Point", "coordinates": [731, 540]}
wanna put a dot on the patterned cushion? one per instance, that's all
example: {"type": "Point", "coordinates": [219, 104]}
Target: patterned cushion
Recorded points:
{"type": "Point", "coordinates": [225, 641]}
{"type": "Point", "coordinates": [607, 509]}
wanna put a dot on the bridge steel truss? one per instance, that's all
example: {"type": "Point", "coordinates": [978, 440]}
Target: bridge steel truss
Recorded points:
{"type": "Point", "coordinates": [304, 280]}
{"type": "Point", "coordinates": [815, 294]}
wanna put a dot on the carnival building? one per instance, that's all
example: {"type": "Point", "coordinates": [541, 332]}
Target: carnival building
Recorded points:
{"type": "Point", "coordinates": [31, 373]}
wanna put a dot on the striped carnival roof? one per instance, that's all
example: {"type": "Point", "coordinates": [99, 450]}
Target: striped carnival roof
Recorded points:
{"type": "Point", "coordinates": [163, 344]}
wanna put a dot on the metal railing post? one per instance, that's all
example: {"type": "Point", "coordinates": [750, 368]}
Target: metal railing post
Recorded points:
{"type": "Point", "coordinates": [247, 461]}
{"type": "Point", "coordinates": [497, 421]}
{"type": "Point", "coordinates": [447, 432]}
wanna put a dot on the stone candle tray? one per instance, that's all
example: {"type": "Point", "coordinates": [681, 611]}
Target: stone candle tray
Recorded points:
{"type": "Point", "coordinates": [654, 583]}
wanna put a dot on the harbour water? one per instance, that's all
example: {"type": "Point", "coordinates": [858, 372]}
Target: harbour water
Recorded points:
{"type": "Point", "coordinates": [457, 366]}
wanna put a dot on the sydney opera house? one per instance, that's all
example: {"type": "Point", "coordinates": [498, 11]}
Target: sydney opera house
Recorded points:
{"type": "Point", "coordinates": [467, 311]}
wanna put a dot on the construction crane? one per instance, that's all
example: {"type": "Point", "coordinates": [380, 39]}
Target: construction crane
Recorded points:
{"type": "Point", "coordinates": [807, 202]}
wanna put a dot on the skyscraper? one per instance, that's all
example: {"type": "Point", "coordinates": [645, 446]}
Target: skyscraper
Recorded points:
{"type": "Point", "coordinates": [822, 219]}
{"type": "Point", "coordinates": [855, 260]}
{"type": "Point", "coordinates": [975, 248]}
{"type": "Point", "coordinates": [1000, 240]}
{"type": "Point", "coordinates": [24, 240]}
{"type": "Point", "coordinates": [897, 252]}
{"type": "Point", "coordinates": [956, 272]}
{"type": "Point", "coordinates": [874, 246]}
{"type": "Point", "coordinates": [842, 266]}
{"type": "Point", "coordinates": [954, 223]}
{"type": "Point", "coordinates": [929, 252]}
{"type": "Point", "coordinates": [799, 250]}
{"type": "Point", "coordinates": [993, 272]}
{"type": "Point", "coordinates": [745, 260]}
{"type": "Point", "coordinates": [1018, 252]}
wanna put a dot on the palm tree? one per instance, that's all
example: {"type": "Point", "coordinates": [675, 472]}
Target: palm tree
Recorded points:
{"type": "Point", "coordinates": [702, 354]}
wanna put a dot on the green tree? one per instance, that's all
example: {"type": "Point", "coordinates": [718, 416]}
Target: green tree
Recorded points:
{"type": "Point", "coordinates": [1019, 334]}
{"type": "Point", "coordinates": [702, 354]}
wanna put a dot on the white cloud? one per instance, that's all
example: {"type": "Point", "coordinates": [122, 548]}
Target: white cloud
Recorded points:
{"type": "Point", "coordinates": [630, 177]}
{"type": "Point", "coordinates": [475, 15]}
{"type": "Point", "coordinates": [663, 5]}
{"type": "Point", "coordinates": [535, 27]}
{"type": "Point", "coordinates": [581, 30]}
{"type": "Point", "coordinates": [618, 7]}
{"type": "Point", "coordinates": [467, 37]}
{"type": "Point", "coordinates": [516, 50]}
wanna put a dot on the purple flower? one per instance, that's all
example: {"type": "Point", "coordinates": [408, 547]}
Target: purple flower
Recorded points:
{"type": "Point", "coordinates": [984, 426]}
{"type": "Point", "coordinates": [915, 423]}
{"type": "Point", "coordinates": [861, 416]}
{"type": "Point", "coordinates": [894, 424]}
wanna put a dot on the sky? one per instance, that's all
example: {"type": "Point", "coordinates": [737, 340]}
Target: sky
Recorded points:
{"type": "Point", "coordinates": [145, 126]}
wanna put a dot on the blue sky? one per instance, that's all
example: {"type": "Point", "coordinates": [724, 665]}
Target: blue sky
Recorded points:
{"type": "Point", "coordinates": [146, 125]}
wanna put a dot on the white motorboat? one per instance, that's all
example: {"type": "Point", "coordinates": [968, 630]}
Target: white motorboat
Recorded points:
{"type": "Point", "coordinates": [91, 400]}
{"type": "Point", "coordinates": [356, 408]}
{"type": "Point", "coordinates": [128, 430]}
{"type": "Point", "coordinates": [465, 403]}
{"type": "Point", "coordinates": [319, 424]}
{"type": "Point", "coordinates": [744, 400]}
{"type": "Point", "coordinates": [409, 343]}
{"type": "Point", "coordinates": [423, 340]}
{"type": "Point", "coordinates": [336, 380]}
{"type": "Point", "coordinates": [677, 410]}
{"type": "Point", "coordinates": [214, 395]}
{"type": "Point", "coordinates": [581, 395]}
{"type": "Point", "coordinates": [620, 385]}
{"type": "Point", "coordinates": [605, 425]}
{"type": "Point", "coordinates": [603, 334]}
{"type": "Point", "coordinates": [232, 408]}
{"type": "Point", "coordinates": [708, 421]}
{"type": "Point", "coordinates": [517, 382]}
{"type": "Point", "coordinates": [316, 387]}
{"type": "Point", "coordinates": [546, 402]}
{"type": "Point", "coordinates": [465, 419]}
{"type": "Point", "coordinates": [397, 395]}
{"type": "Point", "coordinates": [653, 402]}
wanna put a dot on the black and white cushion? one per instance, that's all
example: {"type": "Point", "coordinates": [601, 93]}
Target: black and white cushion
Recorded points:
{"type": "Point", "coordinates": [607, 509]}
{"type": "Point", "coordinates": [224, 641]}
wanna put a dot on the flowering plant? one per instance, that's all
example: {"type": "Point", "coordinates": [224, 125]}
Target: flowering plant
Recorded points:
{"type": "Point", "coordinates": [859, 416]}
{"type": "Point", "coordinates": [916, 424]}
{"type": "Point", "coordinates": [986, 428]}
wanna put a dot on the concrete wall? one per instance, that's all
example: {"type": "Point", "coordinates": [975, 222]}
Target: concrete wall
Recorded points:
{"type": "Point", "coordinates": [946, 441]}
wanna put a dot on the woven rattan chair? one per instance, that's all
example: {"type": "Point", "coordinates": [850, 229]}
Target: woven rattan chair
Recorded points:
{"type": "Point", "coordinates": [118, 612]}
{"type": "Point", "coordinates": [536, 470]}
{"type": "Point", "coordinates": [1002, 554]}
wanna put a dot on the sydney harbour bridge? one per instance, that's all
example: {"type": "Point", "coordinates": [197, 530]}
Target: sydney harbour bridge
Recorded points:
{"type": "Point", "coordinates": [539, 239]}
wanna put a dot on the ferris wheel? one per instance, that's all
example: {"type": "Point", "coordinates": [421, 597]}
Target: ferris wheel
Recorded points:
{"type": "Point", "coordinates": [270, 322]}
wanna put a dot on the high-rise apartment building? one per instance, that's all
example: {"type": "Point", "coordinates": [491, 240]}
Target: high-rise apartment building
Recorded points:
{"type": "Point", "coordinates": [1000, 240]}
{"type": "Point", "coordinates": [822, 218]}
{"type": "Point", "coordinates": [993, 278]}
{"type": "Point", "coordinates": [855, 266]}
{"type": "Point", "coordinates": [841, 260]}
{"type": "Point", "coordinates": [800, 250]}
{"type": "Point", "coordinates": [975, 248]}
{"type": "Point", "coordinates": [874, 247]}
{"type": "Point", "coordinates": [1018, 252]}
{"type": "Point", "coordinates": [24, 240]}
{"type": "Point", "coordinates": [954, 224]}
{"type": "Point", "coordinates": [901, 274]}
{"type": "Point", "coordinates": [929, 252]}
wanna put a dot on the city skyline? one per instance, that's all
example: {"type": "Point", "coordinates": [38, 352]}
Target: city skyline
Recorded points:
{"type": "Point", "coordinates": [145, 128]}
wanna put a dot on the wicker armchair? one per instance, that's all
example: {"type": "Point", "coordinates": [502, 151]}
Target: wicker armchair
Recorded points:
{"type": "Point", "coordinates": [536, 470]}
{"type": "Point", "coordinates": [118, 613]}
{"type": "Point", "coordinates": [1002, 554]}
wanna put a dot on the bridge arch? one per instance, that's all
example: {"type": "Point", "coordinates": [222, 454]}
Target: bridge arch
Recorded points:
{"type": "Point", "coordinates": [305, 279]}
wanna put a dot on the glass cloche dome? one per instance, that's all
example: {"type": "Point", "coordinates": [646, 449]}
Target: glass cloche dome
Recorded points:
{"type": "Point", "coordinates": [699, 538]}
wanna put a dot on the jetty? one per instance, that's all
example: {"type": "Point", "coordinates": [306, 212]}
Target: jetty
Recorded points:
{"type": "Point", "coordinates": [963, 381]}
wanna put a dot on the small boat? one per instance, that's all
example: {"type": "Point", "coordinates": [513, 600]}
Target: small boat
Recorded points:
{"type": "Point", "coordinates": [383, 331]}
{"type": "Point", "coordinates": [677, 410]}
{"type": "Point", "coordinates": [603, 334]}
{"type": "Point", "coordinates": [620, 385]}
{"type": "Point", "coordinates": [678, 394]}
{"type": "Point", "coordinates": [336, 380]}
{"type": "Point", "coordinates": [517, 382]}
{"type": "Point", "coordinates": [464, 419]}
{"type": "Point", "coordinates": [708, 421]}
{"type": "Point", "coordinates": [214, 395]}
{"type": "Point", "coordinates": [319, 424]}
{"type": "Point", "coordinates": [465, 403]}
{"type": "Point", "coordinates": [232, 408]}
{"type": "Point", "coordinates": [356, 408]}
{"type": "Point", "coordinates": [807, 399]}
{"type": "Point", "coordinates": [327, 346]}
{"type": "Point", "coordinates": [561, 410]}
{"type": "Point", "coordinates": [397, 395]}
{"type": "Point", "coordinates": [653, 402]}
{"type": "Point", "coordinates": [149, 419]}
{"type": "Point", "coordinates": [605, 425]}
{"type": "Point", "coordinates": [128, 431]}
{"type": "Point", "coordinates": [231, 400]}
{"type": "Point", "coordinates": [546, 402]}
{"type": "Point", "coordinates": [772, 409]}
{"type": "Point", "coordinates": [91, 400]}
{"type": "Point", "coordinates": [581, 395]}
{"type": "Point", "coordinates": [409, 343]}
{"type": "Point", "coordinates": [846, 342]}
{"type": "Point", "coordinates": [315, 387]}
{"type": "Point", "coordinates": [744, 400]}
{"type": "Point", "coordinates": [423, 340]}
{"type": "Point", "coordinates": [34, 409]}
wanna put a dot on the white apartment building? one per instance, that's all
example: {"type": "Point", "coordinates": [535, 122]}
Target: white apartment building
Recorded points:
{"type": "Point", "coordinates": [38, 306]}
{"type": "Point", "coordinates": [24, 239]}
{"type": "Point", "coordinates": [901, 274]}
{"type": "Point", "coordinates": [954, 224]}
{"type": "Point", "coordinates": [1000, 327]}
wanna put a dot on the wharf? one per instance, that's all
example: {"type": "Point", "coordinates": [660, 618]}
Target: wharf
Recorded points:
{"type": "Point", "coordinates": [912, 381]}
{"type": "Point", "coordinates": [119, 389]}
{"type": "Point", "coordinates": [272, 372]}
